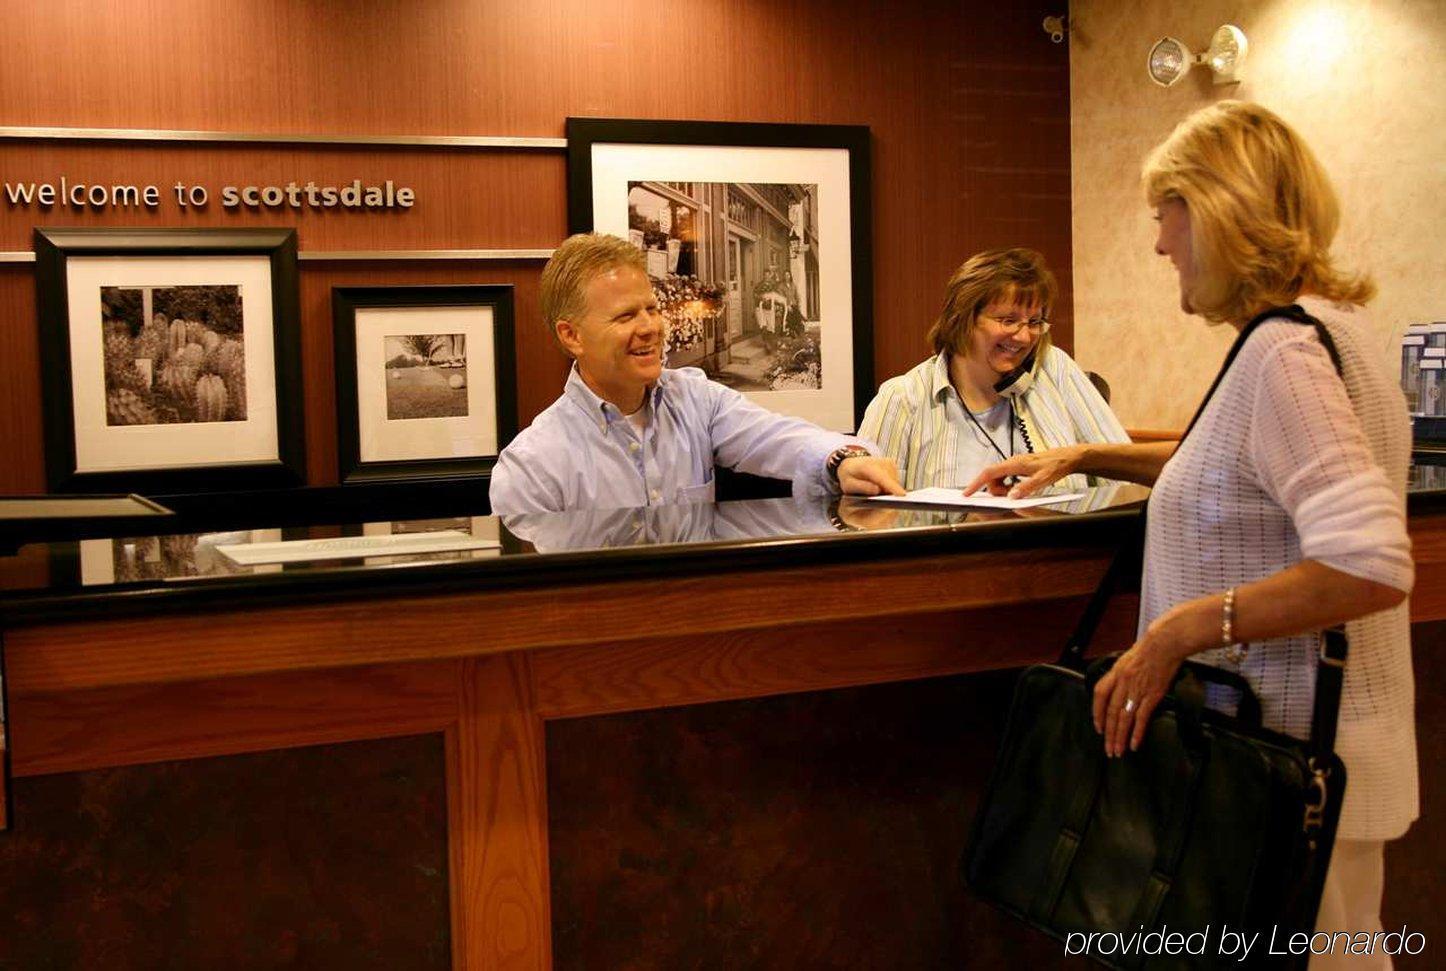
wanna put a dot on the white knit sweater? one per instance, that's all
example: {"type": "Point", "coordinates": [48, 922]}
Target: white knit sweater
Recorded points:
{"type": "Point", "coordinates": [1284, 466]}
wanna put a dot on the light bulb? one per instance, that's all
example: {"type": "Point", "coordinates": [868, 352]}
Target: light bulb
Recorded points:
{"type": "Point", "coordinates": [1169, 61]}
{"type": "Point", "coordinates": [1227, 54]}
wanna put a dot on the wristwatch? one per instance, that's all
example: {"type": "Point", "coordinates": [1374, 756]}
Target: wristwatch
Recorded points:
{"type": "Point", "coordinates": [837, 457]}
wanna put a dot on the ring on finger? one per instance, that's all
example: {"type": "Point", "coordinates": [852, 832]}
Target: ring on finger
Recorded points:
{"type": "Point", "coordinates": [1130, 706]}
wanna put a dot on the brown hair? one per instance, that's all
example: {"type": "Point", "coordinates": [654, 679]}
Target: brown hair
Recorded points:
{"type": "Point", "coordinates": [1263, 213]}
{"type": "Point", "coordinates": [985, 277]}
{"type": "Point", "coordinates": [573, 266]}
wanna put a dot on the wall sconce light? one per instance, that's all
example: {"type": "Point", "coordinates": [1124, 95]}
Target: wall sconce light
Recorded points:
{"type": "Point", "coordinates": [1170, 60]}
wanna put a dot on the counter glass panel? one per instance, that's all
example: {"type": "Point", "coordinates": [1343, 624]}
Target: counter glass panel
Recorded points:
{"type": "Point", "coordinates": [129, 571]}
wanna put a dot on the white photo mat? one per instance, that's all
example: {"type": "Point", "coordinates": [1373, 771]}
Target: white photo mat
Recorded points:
{"type": "Point", "coordinates": [100, 447]}
{"type": "Point", "coordinates": [464, 436]}
{"type": "Point", "coordinates": [615, 165]}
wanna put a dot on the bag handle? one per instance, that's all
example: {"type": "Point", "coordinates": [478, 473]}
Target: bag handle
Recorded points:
{"type": "Point", "coordinates": [1247, 711]}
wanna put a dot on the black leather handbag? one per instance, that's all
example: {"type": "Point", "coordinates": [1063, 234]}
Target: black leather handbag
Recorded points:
{"type": "Point", "coordinates": [1216, 834]}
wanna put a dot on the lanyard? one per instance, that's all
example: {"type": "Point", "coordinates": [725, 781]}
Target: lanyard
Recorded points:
{"type": "Point", "coordinates": [1013, 420]}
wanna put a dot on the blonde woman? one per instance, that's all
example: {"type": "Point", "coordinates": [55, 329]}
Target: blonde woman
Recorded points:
{"type": "Point", "coordinates": [994, 387]}
{"type": "Point", "coordinates": [1283, 511]}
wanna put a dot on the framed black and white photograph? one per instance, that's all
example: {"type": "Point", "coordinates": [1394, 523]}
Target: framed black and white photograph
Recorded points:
{"type": "Point", "coordinates": [171, 359]}
{"type": "Point", "coordinates": [757, 240]}
{"type": "Point", "coordinates": [426, 382]}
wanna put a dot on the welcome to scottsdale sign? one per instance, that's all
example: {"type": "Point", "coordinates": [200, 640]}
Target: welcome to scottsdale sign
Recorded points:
{"type": "Point", "coordinates": [68, 194]}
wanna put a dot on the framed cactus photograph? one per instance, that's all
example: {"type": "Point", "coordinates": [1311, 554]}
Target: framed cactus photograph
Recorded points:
{"type": "Point", "coordinates": [425, 380]}
{"type": "Point", "coordinates": [171, 359]}
{"type": "Point", "coordinates": [173, 354]}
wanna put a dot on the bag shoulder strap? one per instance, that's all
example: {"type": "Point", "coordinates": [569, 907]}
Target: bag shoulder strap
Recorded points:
{"type": "Point", "coordinates": [1330, 669]}
{"type": "Point", "coordinates": [1294, 313]}
{"type": "Point", "coordinates": [1128, 561]}
{"type": "Point", "coordinates": [1330, 678]}
{"type": "Point", "coordinates": [1334, 646]}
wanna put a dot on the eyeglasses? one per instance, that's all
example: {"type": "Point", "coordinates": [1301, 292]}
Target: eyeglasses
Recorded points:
{"type": "Point", "coordinates": [1012, 324]}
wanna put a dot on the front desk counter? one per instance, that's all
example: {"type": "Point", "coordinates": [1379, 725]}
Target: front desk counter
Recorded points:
{"type": "Point", "coordinates": [501, 757]}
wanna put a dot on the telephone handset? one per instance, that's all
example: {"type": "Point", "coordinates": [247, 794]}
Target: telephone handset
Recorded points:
{"type": "Point", "coordinates": [1017, 382]}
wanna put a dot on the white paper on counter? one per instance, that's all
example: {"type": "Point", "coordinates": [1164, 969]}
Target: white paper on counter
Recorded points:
{"type": "Point", "coordinates": [350, 547]}
{"type": "Point", "coordinates": [940, 496]}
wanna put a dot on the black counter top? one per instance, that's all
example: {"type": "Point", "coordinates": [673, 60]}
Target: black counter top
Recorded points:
{"type": "Point", "coordinates": [77, 579]}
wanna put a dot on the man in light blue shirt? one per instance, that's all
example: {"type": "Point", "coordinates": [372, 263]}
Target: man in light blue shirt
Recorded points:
{"type": "Point", "coordinates": [629, 432]}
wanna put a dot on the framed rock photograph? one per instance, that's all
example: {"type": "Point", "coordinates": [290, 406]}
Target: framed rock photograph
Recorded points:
{"type": "Point", "coordinates": [757, 239]}
{"type": "Point", "coordinates": [425, 379]}
{"type": "Point", "coordinates": [171, 359]}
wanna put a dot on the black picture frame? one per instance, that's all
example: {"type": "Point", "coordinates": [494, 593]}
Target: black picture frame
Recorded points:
{"type": "Point", "coordinates": [34, 519]}
{"type": "Point", "coordinates": [352, 468]}
{"type": "Point", "coordinates": [55, 248]}
{"type": "Point", "coordinates": [584, 134]}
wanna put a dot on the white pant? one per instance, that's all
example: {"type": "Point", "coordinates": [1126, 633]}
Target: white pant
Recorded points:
{"type": "Point", "coordinates": [1352, 902]}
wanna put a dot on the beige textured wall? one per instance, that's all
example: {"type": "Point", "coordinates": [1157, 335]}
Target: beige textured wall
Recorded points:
{"type": "Point", "coordinates": [1363, 81]}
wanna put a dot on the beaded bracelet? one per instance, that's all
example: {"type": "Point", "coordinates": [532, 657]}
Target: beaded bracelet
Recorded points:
{"type": "Point", "coordinates": [1234, 653]}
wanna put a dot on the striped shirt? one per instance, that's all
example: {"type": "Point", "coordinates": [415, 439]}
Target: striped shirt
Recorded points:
{"type": "Point", "coordinates": [918, 420]}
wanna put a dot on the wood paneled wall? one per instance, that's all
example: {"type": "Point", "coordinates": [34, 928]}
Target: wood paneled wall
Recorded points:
{"type": "Point", "coordinates": [968, 102]}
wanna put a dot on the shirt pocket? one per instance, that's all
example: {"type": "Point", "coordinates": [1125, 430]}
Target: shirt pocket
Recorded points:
{"type": "Point", "coordinates": [697, 493]}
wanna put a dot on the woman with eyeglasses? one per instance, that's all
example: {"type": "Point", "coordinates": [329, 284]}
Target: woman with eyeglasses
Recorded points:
{"type": "Point", "coordinates": [995, 386]}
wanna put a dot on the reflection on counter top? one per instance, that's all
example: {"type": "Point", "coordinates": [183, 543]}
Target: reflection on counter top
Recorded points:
{"type": "Point", "coordinates": [771, 519]}
{"type": "Point", "coordinates": [1426, 478]}
{"type": "Point", "coordinates": [143, 572]}
{"type": "Point", "coordinates": [139, 558]}
{"type": "Point", "coordinates": [105, 562]}
{"type": "Point", "coordinates": [149, 573]}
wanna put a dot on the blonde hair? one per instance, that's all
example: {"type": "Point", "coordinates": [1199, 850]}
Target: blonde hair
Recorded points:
{"type": "Point", "coordinates": [573, 266]}
{"type": "Point", "coordinates": [1262, 212]}
{"type": "Point", "coordinates": [983, 278]}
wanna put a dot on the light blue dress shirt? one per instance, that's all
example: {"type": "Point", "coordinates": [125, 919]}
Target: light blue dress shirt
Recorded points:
{"type": "Point", "coordinates": [582, 453]}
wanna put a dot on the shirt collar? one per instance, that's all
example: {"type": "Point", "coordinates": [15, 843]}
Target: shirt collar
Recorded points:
{"type": "Point", "coordinates": [601, 413]}
{"type": "Point", "coordinates": [941, 382]}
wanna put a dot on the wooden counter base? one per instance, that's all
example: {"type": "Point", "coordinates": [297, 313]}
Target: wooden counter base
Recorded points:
{"type": "Point", "coordinates": [488, 670]}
